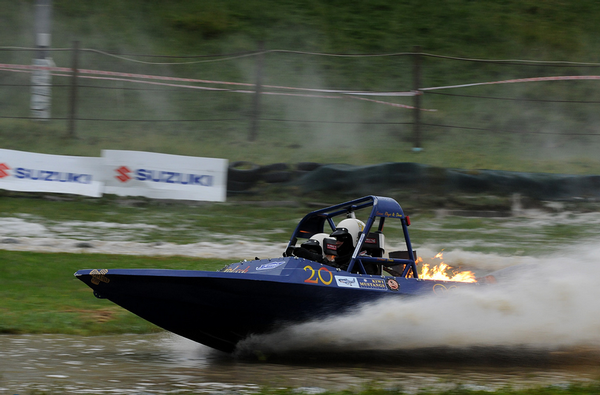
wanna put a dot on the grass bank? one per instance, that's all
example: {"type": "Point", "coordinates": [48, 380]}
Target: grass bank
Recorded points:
{"type": "Point", "coordinates": [544, 127]}
{"type": "Point", "coordinates": [40, 294]}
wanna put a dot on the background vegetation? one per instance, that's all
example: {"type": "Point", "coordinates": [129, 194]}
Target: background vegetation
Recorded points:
{"type": "Point", "coordinates": [542, 126]}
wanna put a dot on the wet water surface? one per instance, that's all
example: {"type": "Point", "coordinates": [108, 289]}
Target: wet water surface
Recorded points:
{"type": "Point", "coordinates": [540, 325]}
{"type": "Point", "coordinates": [164, 363]}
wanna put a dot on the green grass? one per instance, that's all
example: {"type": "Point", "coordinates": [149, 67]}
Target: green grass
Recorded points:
{"type": "Point", "coordinates": [40, 294]}
{"type": "Point", "coordinates": [523, 135]}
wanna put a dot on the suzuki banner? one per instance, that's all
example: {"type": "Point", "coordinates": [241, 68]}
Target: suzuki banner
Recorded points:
{"type": "Point", "coordinates": [163, 176]}
{"type": "Point", "coordinates": [31, 172]}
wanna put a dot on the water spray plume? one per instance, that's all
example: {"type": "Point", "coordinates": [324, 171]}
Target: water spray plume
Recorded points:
{"type": "Point", "coordinates": [537, 305]}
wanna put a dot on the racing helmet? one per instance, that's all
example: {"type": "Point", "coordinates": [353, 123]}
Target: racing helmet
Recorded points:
{"type": "Point", "coordinates": [349, 228]}
{"type": "Point", "coordinates": [315, 243]}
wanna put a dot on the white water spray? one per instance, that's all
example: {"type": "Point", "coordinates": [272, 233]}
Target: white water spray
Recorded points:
{"type": "Point", "coordinates": [548, 303]}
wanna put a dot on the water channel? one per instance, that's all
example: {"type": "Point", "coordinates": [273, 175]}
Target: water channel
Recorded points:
{"type": "Point", "coordinates": [163, 363]}
{"type": "Point", "coordinates": [540, 325]}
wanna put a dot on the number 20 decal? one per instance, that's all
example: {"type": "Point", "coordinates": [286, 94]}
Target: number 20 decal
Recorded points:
{"type": "Point", "coordinates": [315, 275]}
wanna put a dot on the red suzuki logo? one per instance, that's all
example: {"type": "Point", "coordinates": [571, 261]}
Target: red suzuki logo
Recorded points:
{"type": "Point", "coordinates": [123, 174]}
{"type": "Point", "coordinates": [3, 169]}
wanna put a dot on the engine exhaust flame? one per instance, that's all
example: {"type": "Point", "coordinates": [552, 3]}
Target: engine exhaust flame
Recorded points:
{"type": "Point", "coordinates": [444, 272]}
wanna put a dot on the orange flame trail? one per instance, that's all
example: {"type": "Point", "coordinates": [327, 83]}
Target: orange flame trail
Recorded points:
{"type": "Point", "coordinates": [440, 272]}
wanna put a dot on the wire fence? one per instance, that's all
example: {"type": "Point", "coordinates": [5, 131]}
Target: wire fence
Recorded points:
{"type": "Point", "coordinates": [255, 91]}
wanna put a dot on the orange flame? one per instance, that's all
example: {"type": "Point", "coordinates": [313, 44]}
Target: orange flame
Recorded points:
{"type": "Point", "coordinates": [440, 272]}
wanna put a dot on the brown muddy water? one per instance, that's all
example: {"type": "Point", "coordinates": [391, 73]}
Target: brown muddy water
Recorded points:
{"type": "Point", "coordinates": [164, 363]}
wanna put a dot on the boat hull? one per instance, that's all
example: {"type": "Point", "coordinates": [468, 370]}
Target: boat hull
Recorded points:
{"type": "Point", "coordinates": [219, 309]}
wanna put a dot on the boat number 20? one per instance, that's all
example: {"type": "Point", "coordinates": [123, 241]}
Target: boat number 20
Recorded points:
{"type": "Point", "coordinates": [316, 275]}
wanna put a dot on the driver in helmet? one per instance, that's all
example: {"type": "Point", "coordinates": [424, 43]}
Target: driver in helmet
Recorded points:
{"type": "Point", "coordinates": [346, 235]}
{"type": "Point", "coordinates": [313, 248]}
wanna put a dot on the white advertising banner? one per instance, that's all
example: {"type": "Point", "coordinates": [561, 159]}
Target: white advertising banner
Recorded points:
{"type": "Point", "coordinates": [31, 172]}
{"type": "Point", "coordinates": [164, 176]}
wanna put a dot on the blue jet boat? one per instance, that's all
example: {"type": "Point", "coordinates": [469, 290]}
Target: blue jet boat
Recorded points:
{"type": "Point", "coordinates": [326, 269]}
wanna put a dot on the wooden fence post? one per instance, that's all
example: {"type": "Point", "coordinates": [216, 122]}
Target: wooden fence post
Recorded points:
{"type": "Point", "coordinates": [73, 96]}
{"type": "Point", "coordinates": [417, 98]}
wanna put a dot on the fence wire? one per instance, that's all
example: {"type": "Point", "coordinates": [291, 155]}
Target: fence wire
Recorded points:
{"type": "Point", "coordinates": [297, 89]}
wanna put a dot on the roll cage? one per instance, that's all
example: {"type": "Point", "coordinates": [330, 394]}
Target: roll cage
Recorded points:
{"type": "Point", "coordinates": [382, 209]}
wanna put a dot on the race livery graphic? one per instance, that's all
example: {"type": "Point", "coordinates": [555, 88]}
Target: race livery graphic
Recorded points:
{"type": "Point", "coordinates": [392, 284]}
{"type": "Point", "coordinates": [354, 282]}
{"type": "Point", "coordinates": [343, 281]}
{"type": "Point", "coordinates": [270, 265]}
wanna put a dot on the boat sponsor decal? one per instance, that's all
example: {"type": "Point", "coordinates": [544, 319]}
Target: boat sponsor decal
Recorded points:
{"type": "Point", "coordinates": [358, 282]}
{"type": "Point", "coordinates": [384, 259]}
{"type": "Point", "coordinates": [237, 269]}
{"type": "Point", "coordinates": [316, 275]}
{"type": "Point", "coordinates": [333, 246]}
{"type": "Point", "coordinates": [392, 284]}
{"type": "Point", "coordinates": [394, 214]}
{"type": "Point", "coordinates": [348, 282]}
{"type": "Point", "coordinates": [98, 276]}
{"type": "Point", "coordinates": [440, 289]}
{"type": "Point", "coordinates": [372, 283]}
{"type": "Point", "coordinates": [270, 265]}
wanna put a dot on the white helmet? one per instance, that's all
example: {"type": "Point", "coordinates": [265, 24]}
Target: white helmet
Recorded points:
{"type": "Point", "coordinates": [353, 226]}
{"type": "Point", "coordinates": [318, 238]}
